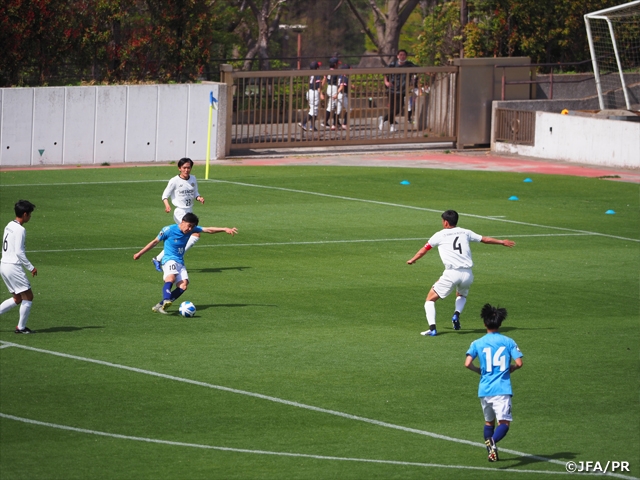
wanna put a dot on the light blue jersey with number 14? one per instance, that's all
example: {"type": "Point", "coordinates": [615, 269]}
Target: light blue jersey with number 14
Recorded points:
{"type": "Point", "coordinates": [494, 351]}
{"type": "Point", "coordinates": [174, 242]}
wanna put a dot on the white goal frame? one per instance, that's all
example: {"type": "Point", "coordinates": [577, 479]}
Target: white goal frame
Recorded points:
{"type": "Point", "coordinates": [605, 15]}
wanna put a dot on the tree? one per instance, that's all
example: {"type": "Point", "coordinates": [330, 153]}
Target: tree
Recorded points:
{"type": "Point", "coordinates": [388, 23]}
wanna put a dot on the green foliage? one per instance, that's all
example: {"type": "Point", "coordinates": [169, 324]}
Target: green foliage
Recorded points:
{"type": "Point", "coordinates": [545, 30]}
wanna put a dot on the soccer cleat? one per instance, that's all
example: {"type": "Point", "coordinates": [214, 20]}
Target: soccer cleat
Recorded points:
{"type": "Point", "coordinates": [380, 123]}
{"type": "Point", "coordinates": [393, 128]}
{"type": "Point", "coordinates": [333, 127]}
{"type": "Point", "coordinates": [429, 333]}
{"type": "Point", "coordinates": [302, 126]}
{"type": "Point", "coordinates": [162, 307]}
{"type": "Point", "coordinates": [344, 127]}
{"type": "Point", "coordinates": [456, 321]}
{"type": "Point", "coordinates": [24, 331]}
{"type": "Point", "coordinates": [157, 264]}
{"type": "Point", "coordinates": [492, 450]}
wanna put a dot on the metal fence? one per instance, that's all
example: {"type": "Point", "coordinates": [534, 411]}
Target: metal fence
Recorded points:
{"type": "Point", "coordinates": [272, 109]}
{"type": "Point", "coordinates": [515, 126]}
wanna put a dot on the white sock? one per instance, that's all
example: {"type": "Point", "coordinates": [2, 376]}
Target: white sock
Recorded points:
{"type": "Point", "coordinates": [460, 302]}
{"type": "Point", "coordinates": [430, 309]}
{"type": "Point", "coordinates": [7, 305]}
{"type": "Point", "coordinates": [25, 308]}
{"type": "Point", "coordinates": [160, 255]}
{"type": "Point", "coordinates": [191, 242]}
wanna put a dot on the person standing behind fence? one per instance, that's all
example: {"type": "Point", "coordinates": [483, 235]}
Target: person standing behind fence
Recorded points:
{"type": "Point", "coordinates": [343, 97]}
{"type": "Point", "coordinates": [397, 85]}
{"type": "Point", "coordinates": [332, 94]}
{"type": "Point", "coordinates": [313, 97]}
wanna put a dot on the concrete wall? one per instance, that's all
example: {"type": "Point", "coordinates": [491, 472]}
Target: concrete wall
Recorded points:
{"type": "Point", "coordinates": [572, 138]}
{"type": "Point", "coordinates": [114, 124]}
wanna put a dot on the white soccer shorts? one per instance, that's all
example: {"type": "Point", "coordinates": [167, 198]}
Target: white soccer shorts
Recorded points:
{"type": "Point", "coordinates": [174, 268]}
{"type": "Point", "coordinates": [496, 407]}
{"type": "Point", "coordinates": [459, 280]}
{"type": "Point", "coordinates": [313, 97]}
{"type": "Point", "coordinates": [343, 102]}
{"type": "Point", "coordinates": [179, 213]}
{"type": "Point", "coordinates": [14, 278]}
{"type": "Point", "coordinates": [332, 103]}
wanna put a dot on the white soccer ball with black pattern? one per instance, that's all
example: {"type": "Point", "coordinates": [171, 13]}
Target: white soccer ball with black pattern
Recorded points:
{"type": "Point", "coordinates": [187, 309]}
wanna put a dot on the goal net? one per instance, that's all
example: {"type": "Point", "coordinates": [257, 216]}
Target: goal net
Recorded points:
{"type": "Point", "coordinates": [614, 41]}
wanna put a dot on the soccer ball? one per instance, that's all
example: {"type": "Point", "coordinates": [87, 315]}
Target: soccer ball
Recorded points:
{"type": "Point", "coordinates": [187, 309]}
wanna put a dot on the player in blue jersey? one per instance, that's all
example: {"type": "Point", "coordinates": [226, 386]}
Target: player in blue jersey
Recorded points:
{"type": "Point", "coordinates": [494, 352]}
{"type": "Point", "coordinates": [175, 238]}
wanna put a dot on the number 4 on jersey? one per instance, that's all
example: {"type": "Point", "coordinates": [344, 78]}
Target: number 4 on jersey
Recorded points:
{"type": "Point", "coordinates": [457, 246]}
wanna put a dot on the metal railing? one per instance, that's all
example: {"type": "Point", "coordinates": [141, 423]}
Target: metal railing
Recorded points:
{"type": "Point", "coordinates": [269, 109]}
{"type": "Point", "coordinates": [515, 126]}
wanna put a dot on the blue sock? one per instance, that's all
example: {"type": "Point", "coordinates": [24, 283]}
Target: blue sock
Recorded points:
{"type": "Point", "coordinates": [166, 290]}
{"type": "Point", "coordinates": [176, 293]}
{"type": "Point", "coordinates": [501, 431]}
{"type": "Point", "coordinates": [488, 431]}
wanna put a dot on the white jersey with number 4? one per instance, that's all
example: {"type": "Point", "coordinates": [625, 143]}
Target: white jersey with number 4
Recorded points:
{"type": "Point", "coordinates": [183, 193]}
{"type": "Point", "coordinates": [13, 250]}
{"type": "Point", "coordinates": [453, 246]}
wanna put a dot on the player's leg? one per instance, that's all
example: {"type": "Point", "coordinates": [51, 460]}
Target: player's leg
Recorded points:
{"type": "Point", "coordinates": [462, 291]}
{"type": "Point", "coordinates": [489, 426]}
{"type": "Point", "coordinates": [170, 270]}
{"type": "Point", "coordinates": [430, 311]}
{"type": "Point", "coordinates": [192, 241]}
{"type": "Point", "coordinates": [441, 289]}
{"type": "Point", "coordinates": [182, 282]}
{"type": "Point", "coordinates": [9, 303]}
{"type": "Point", "coordinates": [502, 407]}
{"type": "Point", "coordinates": [25, 310]}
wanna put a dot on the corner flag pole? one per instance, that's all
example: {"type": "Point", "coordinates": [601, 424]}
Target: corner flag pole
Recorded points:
{"type": "Point", "coordinates": [212, 104]}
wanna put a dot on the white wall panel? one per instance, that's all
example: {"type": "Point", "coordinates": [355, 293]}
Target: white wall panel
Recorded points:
{"type": "Point", "coordinates": [48, 132]}
{"type": "Point", "coordinates": [198, 121]}
{"type": "Point", "coordinates": [142, 111]}
{"type": "Point", "coordinates": [172, 122]}
{"type": "Point", "coordinates": [16, 117]}
{"type": "Point", "coordinates": [111, 124]}
{"type": "Point", "coordinates": [79, 124]}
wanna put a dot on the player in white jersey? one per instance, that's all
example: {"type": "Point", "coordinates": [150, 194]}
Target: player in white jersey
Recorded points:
{"type": "Point", "coordinates": [453, 247]}
{"type": "Point", "coordinates": [183, 192]}
{"type": "Point", "coordinates": [13, 259]}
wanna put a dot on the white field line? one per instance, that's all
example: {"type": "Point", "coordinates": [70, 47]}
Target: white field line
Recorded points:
{"type": "Point", "coordinates": [290, 403]}
{"type": "Point", "coordinates": [352, 199]}
{"type": "Point", "coordinates": [278, 400]}
{"type": "Point", "coordinates": [266, 452]}
{"type": "Point", "coordinates": [375, 202]}
{"type": "Point", "coordinates": [319, 242]}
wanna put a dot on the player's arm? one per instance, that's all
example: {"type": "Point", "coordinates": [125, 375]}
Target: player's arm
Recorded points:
{"type": "Point", "coordinates": [468, 362]}
{"type": "Point", "coordinates": [149, 246]}
{"type": "Point", "coordinates": [230, 231]}
{"type": "Point", "coordinates": [495, 241]}
{"type": "Point", "coordinates": [22, 255]}
{"type": "Point", "coordinates": [516, 365]}
{"type": "Point", "coordinates": [168, 191]}
{"type": "Point", "coordinates": [421, 253]}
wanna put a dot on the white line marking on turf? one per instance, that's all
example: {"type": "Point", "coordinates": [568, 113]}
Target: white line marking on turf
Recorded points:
{"type": "Point", "coordinates": [376, 202]}
{"type": "Point", "coordinates": [5, 345]}
{"type": "Point", "coordinates": [319, 242]}
{"type": "Point", "coordinates": [282, 401]}
{"type": "Point", "coordinates": [280, 454]}
{"type": "Point", "coordinates": [341, 197]}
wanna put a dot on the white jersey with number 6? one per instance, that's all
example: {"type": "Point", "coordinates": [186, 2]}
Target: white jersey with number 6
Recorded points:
{"type": "Point", "coordinates": [183, 193]}
{"type": "Point", "coordinates": [13, 240]}
{"type": "Point", "coordinates": [453, 246]}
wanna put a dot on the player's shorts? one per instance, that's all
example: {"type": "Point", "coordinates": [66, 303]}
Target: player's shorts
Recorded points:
{"type": "Point", "coordinates": [459, 280]}
{"type": "Point", "coordinates": [496, 407]}
{"type": "Point", "coordinates": [179, 213]}
{"type": "Point", "coordinates": [14, 278]}
{"type": "Point", "coordinates": [174, 268]}
{"type": "Point", "coordinates": [313, 97]}
{"type": "Point", "coordinates": [332, 103]}
{"type": "Point", "coordinates": [343, 102]}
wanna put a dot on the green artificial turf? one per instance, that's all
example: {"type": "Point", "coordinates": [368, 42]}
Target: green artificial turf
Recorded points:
{"type": "Point", "coordinates": [306, 339]}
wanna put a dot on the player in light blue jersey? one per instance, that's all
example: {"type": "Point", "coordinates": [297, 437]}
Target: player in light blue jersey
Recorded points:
{"type": "Point", "coordinates": [175, 238]}
{"type": "Point", "coordinates": [494, 352]}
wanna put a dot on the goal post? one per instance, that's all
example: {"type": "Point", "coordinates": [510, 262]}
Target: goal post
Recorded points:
{"type": "Point", "coordinates": [614, 42]}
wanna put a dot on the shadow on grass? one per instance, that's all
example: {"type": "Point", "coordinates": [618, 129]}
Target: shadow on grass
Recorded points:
{"type": "Point", "coordinates": [217, 270]}
{"type": "Point", "coordinates": [480, 331]}
{"type": "Point", "coordinates": [63, 329]}
{"type": "Point", "coordinates": [532, 459]}
{"type": "Point", "coordinates": [234, 305]}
